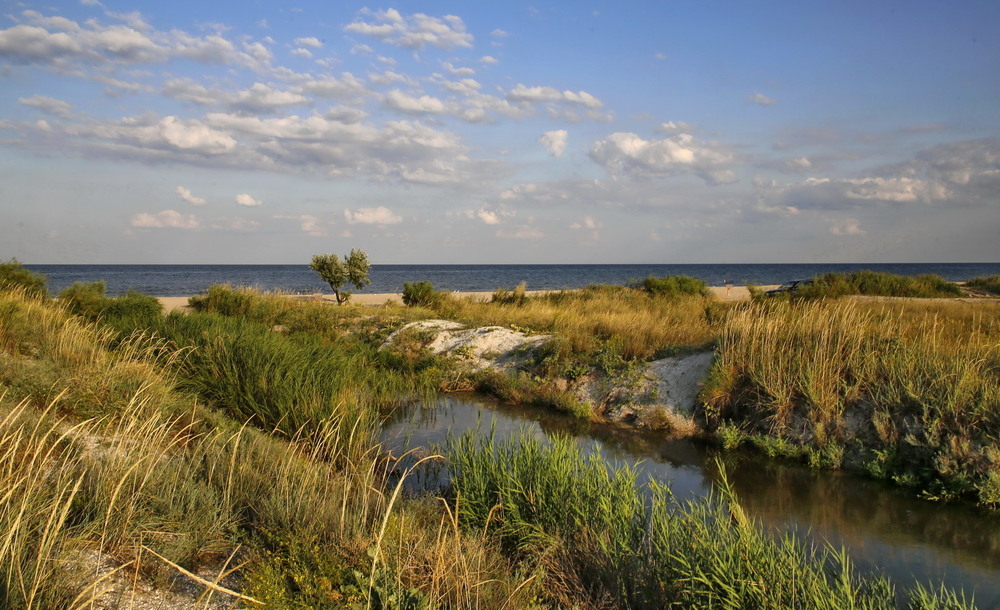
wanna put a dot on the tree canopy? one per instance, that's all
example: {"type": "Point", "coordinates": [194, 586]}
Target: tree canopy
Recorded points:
{"type": "Point", "coordinates": [353, 269]}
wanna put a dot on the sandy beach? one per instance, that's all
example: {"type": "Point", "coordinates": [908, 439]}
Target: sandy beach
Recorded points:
{"type": "Point", "coordinates": [723, 293]}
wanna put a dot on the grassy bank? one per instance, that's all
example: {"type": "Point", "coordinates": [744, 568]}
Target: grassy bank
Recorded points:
{"type": "Point", "coordinates": [907, 391]}
{"type": "Point", "coordinates": [132, 460]}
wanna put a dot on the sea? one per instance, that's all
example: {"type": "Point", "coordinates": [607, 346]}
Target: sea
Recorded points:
{"type": "Point", "coordinates": [189, 280]}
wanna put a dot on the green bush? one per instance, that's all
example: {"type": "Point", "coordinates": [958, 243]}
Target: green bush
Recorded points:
{"type": "Point", "coordinates": [671, 286]}
{"type": "Point", "coordinates": [420, 294]}
{"type": "Point", "coordinates": [989, 284]}
{"type": "Point", "coordinates": [13, 274]}
{"type": "Point", "coordinates": [125, 313]}
{"type": "Point", "coordinates": [873, 283]}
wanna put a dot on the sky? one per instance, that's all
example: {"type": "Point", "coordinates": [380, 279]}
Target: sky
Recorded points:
{"type": "Point", "coordinates": [427, 132]}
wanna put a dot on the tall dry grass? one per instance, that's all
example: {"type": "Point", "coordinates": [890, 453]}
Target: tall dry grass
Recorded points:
{"type": "Point", "coordinates": [918, 383]}
{"type": "Point", "coordinates": [641, 323]}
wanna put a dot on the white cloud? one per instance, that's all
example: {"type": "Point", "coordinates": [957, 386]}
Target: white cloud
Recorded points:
{"type": "Point", "coordinates": [675, 127]}
{"type": "Point", "coordinates": [309, 224]}
{"type": "Point", "coordinates": [627, 154]}
{"type": "Point", "coordinates": [554, 141]}
{"type": "Point", "coordinates": [186, 195]}
{"type": "Point", "coordinates": [498, 33]}
{"type": "Point", "coordinates": [588, 222]}
{"type": "Point", "coordinates": [167, 219]}
{"type": "Point", "coordinates": [491, 216]}
{"type": "Point", "coordinates": [522, 93]}
{"type": "Point", "coordinates": [457, 71]}
{"type": "Point", "coordinates": [303, 53]}
{"type": "Point", "coordinates": [310, 41]}
{"type": "Point", "coordinates": [415, 31]}
{"type": "Point", "coordinates": [248, 201]}
{"type": "Point", "coordinates": [47, 105]}
{"type": "Point", "coordinates": [848, 227]}
{"type": "Point", "coordinates": [195, 136]}
{"type": "Point", "coordinates": [760, 98]}
{"type": "Point", "coordinates": [424, 104]}
{"type": "Point", "coordinates": [488, 60]}
{"type": "Point", "coordinates": [372, 216]}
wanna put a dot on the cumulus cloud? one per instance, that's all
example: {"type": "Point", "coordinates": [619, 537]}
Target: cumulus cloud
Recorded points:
{"type": "Point", "coordinates": [848, 226]}
{"type": "Point", "coordinates": [372, 216]}
{"type": "Point", "coordinates": [675, 127]}
{"type": "Point", "coordinates": [47, 105]}
{"type": "Point", "coordinates": [311, 42]}
{"type": "Point", "coordinates": [309, 224]}
{"type": "Point", "coordinates": [491, 216]}
{"type": "Point", "coordinates": [588, 222]}
{"type": "Point", "coordinates": [167, 219]}
{"type": "Point", "coordinates": [194, 135]}
{"type": "Point", "coordinates": [959, 173]}
{"type": "Point", "coordinates": [248, 201]}
{"type": "Point", "coordinates": [761, 99]}
{"type": "Point", "coordinates": [627, 154]}
{"type": "Point", "coordinates": [415, 32]}
{"type": "Point", "coordinates": [424, 104]}
{"type": "Point", "coordinates": [554, 141]}
{"type": "Point", "coordinates": [186, 195]}
{"type": "Point", "coordinates": [523, 93]}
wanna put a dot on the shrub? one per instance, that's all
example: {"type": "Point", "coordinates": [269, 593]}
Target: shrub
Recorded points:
{"type": "Point", "coordinates": [989, 284]}
{"type": "Point", "coordinates": [13, 274]}
{"type": "Point", "coordinates": [125, 313]}
{"type": "Point", "coordinates": [420, 294]}
{"type": "Point", "coordinates": [872, 283]}
{"type": "Point", "coordinates": [671, 286]}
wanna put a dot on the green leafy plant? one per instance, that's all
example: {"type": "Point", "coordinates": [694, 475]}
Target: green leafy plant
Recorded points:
{"type": "Point", "coordinates": [335, 272]}
{"type": "Point", "coordinates": [420, 294]}
{"type": "Point", "coordinates": [12, 274]}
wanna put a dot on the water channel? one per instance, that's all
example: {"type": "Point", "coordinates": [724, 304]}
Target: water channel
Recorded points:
{"type": "Point", "coordinates": [885, 529]}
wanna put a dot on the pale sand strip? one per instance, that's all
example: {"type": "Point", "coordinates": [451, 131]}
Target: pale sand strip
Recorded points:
{"type": "Point", "coordinates": [723, 293]}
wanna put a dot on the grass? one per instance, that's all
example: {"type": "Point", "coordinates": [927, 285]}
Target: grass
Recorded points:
{"type": "Point", "coordinates": [910, 391]}
{"type": "Point", "coordinates": [873, 283]}
{"type": "Point", "coordinates": [596, 534]}
{"type": "Point", "coordinates": [223, 444]}
{"type": "Point", "coordinates": [990, 284]}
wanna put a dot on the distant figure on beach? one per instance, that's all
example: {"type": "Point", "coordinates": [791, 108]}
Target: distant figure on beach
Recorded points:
{"type": "Point", "coordinates": [728, 284]}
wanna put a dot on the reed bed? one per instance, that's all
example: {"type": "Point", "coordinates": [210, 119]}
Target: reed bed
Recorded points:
{"type": "Point", "coordinates": [595, 531]}
{"type": "Point", "coordinates": [912, 391]}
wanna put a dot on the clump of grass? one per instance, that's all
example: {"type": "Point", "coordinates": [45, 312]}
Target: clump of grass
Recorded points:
{"type": "Point", "coordinates": [124, 313]}
{"type": "Point", "coordinates": [872, 283]}
{"type": "Point", "coordinates": [899, 380]}
{"type": "Point", "coordinates": [672, 286]}
{"type": "Point", "coordinates": [989, 284]}
{"type": "Point", "coordinates": [595, 533]}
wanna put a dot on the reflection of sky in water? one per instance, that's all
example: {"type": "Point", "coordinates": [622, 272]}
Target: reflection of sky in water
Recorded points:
{"type": "Point", "coordinates": [884, 528]}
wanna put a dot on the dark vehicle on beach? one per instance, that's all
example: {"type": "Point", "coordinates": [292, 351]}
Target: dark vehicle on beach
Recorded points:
{"type": "Point", "coordinates": [788, 288]}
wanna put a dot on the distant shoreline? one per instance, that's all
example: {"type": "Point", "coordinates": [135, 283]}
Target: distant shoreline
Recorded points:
{"type": "Point", "coordinates": [723, 293]}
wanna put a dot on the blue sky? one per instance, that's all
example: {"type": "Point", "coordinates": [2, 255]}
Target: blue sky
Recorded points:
{"type": "Point", "coordinates": [457, 132]}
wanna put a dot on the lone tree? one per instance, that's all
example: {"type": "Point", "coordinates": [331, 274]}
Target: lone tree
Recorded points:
{"type": "Point", "coordinates": [335, 272]}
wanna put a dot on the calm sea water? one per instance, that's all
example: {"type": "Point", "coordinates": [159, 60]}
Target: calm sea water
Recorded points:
{"type": "Point", "coordinates": [187, 280]}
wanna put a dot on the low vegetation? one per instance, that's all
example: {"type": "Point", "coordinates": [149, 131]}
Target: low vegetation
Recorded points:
{"type": "Point", "coordinates": [14, 275]}
{"type": "Point", "coordinates": [239, 443]}
{"type": "Point", "coordinates": [873, 283]}
{"type": "Point", "coordinates": [989, 284]}
{"type": "Point", "coordinates": [906, 391]}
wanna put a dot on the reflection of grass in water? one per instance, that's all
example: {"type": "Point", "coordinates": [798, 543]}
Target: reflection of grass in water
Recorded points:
{"type": "Point", "coordinates": [590, 526]}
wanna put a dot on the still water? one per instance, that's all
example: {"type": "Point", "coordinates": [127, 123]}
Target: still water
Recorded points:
{"type": "Point", "coordinates": [884, 528]}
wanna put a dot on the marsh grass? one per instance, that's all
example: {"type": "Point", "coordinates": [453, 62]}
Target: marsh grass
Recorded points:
{"type": "Point", "coordinates": [593, 531]}
{"type": "Point", "coordinates": [989, 283]}
{"type": "Point", "coordinates": [873, 283]}
{"type": "Point", "coordinates": [917, 385]}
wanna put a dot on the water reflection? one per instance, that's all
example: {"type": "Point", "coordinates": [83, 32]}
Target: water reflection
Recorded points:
{"type": "Point", "coordinates": [883, 527]}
